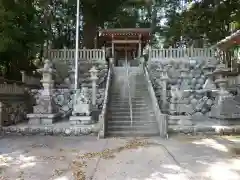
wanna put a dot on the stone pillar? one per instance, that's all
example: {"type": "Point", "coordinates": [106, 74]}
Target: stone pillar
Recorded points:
{"type": "Point", "coordinates": [174, 100]}
{"type": "Point", "coordinates": [164, 79]}
{"type": "Point", "coordinates": [93, 71]}
{"type": "Point", "coordinates": [111, 61]}
{"type": "Point", "coordinates": [141, 63]}
{"type": "Point", "coordinates": [184, 76]}
{"type": "Point", "coordinates": [45, 111]}
{"type": "Point", "coordinates": [95, 111]}
{"type": "Point", "coordinates": [3, 114]}
{"type": "Point", "coordinates": [69, 81]}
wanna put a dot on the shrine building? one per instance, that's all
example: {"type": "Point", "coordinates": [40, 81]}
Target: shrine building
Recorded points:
{"type": "Point", "coordinates": [125, 43]}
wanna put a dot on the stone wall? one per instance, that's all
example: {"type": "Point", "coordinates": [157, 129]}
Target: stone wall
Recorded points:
{"type": "Point", "coordinates": [67, 77]}
{"type": "Point", "coordinates": [184, 91]}
{"type": "Point", "coordinates": [15, 102]}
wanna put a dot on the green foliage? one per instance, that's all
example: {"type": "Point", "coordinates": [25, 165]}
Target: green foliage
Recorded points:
{"type": "Point", "coordinates": [20, 34]}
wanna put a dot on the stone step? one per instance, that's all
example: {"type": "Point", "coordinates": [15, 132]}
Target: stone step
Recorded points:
{"type": "Point", "coordinates": [132, 133]}
{"type": "Point", "coordinates": [126, 100]}
{"type": "Point", "coordinates": [125, 96]}
{"type": "Point", "coordinates": [122, 113]}
{"type": "Point", "coordinates": [135, 122]}
{"type": "Point", "coordinates": [139, 98]}
{"type": "Point", "coordinates": [128, 118]}
{"type": "Point", "coordinates": [135, 89]}
{"type": "Point", "coordinates": [119, 105]}
{"type": "Point", "coordinates": [147, 127]}
{"type": "Point", "coordinates": [126, 108]}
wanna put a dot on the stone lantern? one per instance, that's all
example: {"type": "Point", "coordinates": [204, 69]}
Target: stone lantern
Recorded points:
{"type": "Point", "coordinates": [71, 78]}
{"type": "Point", "coordinates": [45, 111]}
{"type": "Point", "coordinates": [208, 72]}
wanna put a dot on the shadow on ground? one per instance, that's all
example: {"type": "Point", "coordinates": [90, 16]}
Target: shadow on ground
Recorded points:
{"type": "Point", "coordinates": [83, 158]}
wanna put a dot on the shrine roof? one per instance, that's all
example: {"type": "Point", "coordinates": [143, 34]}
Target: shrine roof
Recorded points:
{"type": "Point", "coordinates": [229, 41]}
{"type": "Point", "coordinates": [125, 32]}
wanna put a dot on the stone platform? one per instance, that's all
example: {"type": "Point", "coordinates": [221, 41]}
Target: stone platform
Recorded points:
{"type": "Point", "coordinates": [62, 128]}
{"type": "Point", "coordinates": [207, 126]}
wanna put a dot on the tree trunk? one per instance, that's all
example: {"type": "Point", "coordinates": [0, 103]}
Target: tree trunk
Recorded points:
{"type": "Point", "coordinates": [89, 33]}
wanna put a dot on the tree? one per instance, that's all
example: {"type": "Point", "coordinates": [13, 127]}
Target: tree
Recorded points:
{"type": "Point", "coordinates": [206, 20]}
{"type": "Point", "coordinates": [20, 34]}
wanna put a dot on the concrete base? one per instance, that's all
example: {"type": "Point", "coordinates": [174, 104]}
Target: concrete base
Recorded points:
{"type": "Point", "coordinates": [44, 119]}
{"type": "Point", "coordinates": [83, 120]}
{"type": "Point", "coordinates": [179, 120]}
{"type": "Point", "coordinates": [95, 113]}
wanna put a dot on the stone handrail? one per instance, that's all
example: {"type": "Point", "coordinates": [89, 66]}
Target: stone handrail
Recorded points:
{"type": "Point", "coordinates": [103, 115]}
{"type": "Point", "coordinates": [161, 118]}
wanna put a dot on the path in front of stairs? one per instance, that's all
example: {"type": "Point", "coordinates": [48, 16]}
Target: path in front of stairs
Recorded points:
{"type": "Point", "coordinates": [86, 158]}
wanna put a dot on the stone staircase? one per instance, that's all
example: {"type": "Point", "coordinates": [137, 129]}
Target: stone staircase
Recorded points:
{"type": "Point", "coordinates": [119, 118]}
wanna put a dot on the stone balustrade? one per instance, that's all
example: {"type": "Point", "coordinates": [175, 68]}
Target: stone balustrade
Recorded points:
{"type": "Point", "coordinates": [180, 53]}
{"type": "Point", "coordinates": [90, 55]}
{"type": "Point", "coordinates": [30, 80]}
{"type": "Point", "coordinates": [15, 102]}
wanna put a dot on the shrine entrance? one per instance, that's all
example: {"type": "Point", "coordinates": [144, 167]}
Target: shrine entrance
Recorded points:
{"type": "Point", "coordinates": [124, 45]}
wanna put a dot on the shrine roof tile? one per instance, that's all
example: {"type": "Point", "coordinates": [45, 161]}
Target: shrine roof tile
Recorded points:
{"type": "Point", "coordinates": [229, 41]}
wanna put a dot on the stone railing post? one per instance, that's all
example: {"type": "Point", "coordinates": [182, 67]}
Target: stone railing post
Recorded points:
{"type": "Point", "coordinates": [111, 62]}
{"type": "Point", "coordinates": [3, 115]}
{"type": "Point", "coordinates": [103, 54]}
{"type": "Point", "coordinates": [23, 76]}
{"type": "Point", "coordinates": [93, 71]}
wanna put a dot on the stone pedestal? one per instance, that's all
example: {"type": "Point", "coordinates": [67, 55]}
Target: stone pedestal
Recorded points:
{"type": "Point", "coordinates": [45, 111]}
{"type": "Point", "coordinates": [44, 119]}
{"type": "Point", "coordinates": [80, 120]}
{"type": "Point", "coordinates": [180, 120]}
{"type": "Point", "coordinates": [95, 113]}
